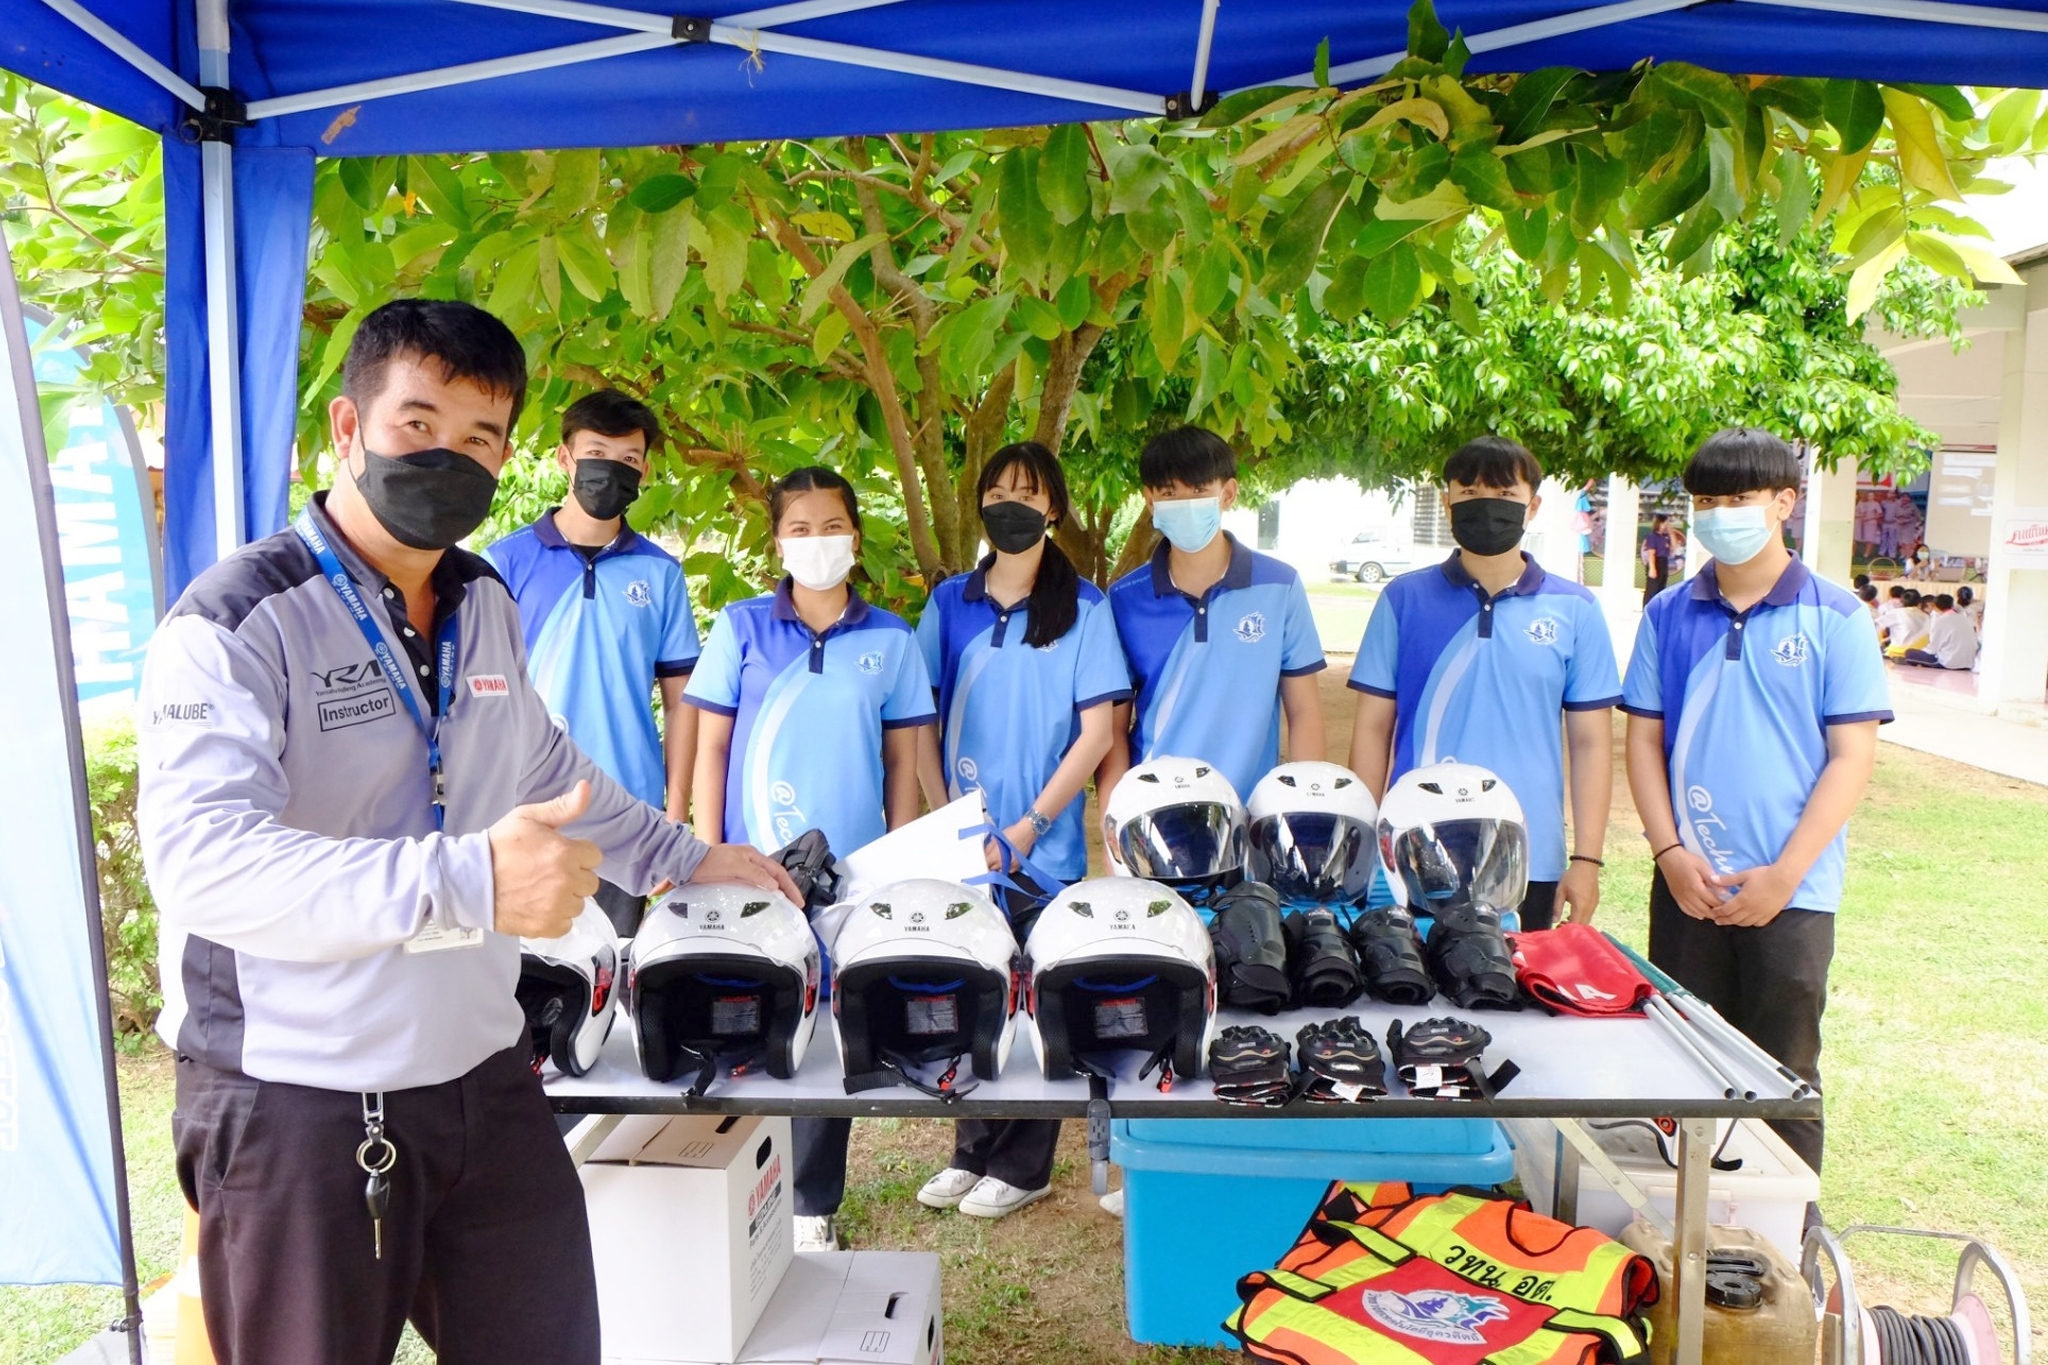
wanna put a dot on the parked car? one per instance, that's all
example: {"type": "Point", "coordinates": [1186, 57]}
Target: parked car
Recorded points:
{"type": "Point", "coordinates": [1372, 558]}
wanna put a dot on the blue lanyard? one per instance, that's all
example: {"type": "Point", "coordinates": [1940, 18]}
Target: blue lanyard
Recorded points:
{"type": "Point", "coordinates": [444, 649]}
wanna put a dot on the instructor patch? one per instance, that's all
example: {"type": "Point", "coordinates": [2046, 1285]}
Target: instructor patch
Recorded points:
{"type": "Point", "coordinates": [358, 710]}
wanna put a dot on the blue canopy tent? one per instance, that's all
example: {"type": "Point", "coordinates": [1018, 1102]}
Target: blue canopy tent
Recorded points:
{"type": "Point", "coordinates": [248, 94]}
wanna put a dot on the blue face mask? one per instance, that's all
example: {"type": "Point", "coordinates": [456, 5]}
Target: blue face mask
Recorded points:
{"type": "Point", "coordinates": [1189, 524]}
{"type": "Point", "coordinates": [1733, 535]}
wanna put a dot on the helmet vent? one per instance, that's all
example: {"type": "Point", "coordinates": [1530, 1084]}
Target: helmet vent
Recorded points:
{"type": "Point", "coordinates": [958, 908]}
{"type": "Point", "coordinates": [752, 908]}
{"type": "Point", "coordinates": [1158, 908]}
{"type": "Point", "coordinates": [882, 910]}
{"type": "Point", "coordinates": [1287, 779]}
{"type": "Point", "coordinates": [1342, 783]}
{"type": "Point", "coordinates": [1202, 770]}
{"type": "Point", "coordinates": [1083, 909]}
{"type": "Point", "coordinates": [1487, 784]}
{"type": "Point", "coordinates": [1434, 789]}
{"type": "Point", "coordinates": [1148, 777]}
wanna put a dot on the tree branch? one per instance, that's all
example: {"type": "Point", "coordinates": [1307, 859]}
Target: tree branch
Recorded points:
{"type": "Point", "coordinates": [1068, 354]}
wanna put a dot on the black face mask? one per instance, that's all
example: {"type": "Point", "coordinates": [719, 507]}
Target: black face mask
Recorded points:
{"type": "Point", "coordinates": [1488, 526]}
{"type": "Point", "coordinates": [605, 488]}
{"type": "Point", "coordinates": [1013, 527]}
{"type": "Point", "coordinates": [428, 499]}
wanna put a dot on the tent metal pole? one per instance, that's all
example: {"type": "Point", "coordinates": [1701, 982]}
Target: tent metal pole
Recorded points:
{"type": "Point", "coordinates": [798, 12]}
{"type": "Point", "coordinates": [1512, 36]}
{"type": "Point", "coordinates": [642, 22]}
{"type": "Point", "coordinates": [223, 323]}
{"type": "Point", "coordinates": [468, 72]}
{"type": "Point", "coordinates": [1925, 11]}
{"type": "Point", "coordinates": [964, 73]}
{"type": "Point", "coordinates": [1203, 40]}
{"type": "Point", "coordinates": [113, 40]}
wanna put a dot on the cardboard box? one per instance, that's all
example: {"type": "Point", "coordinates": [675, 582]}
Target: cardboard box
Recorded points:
{"type": "Point", "coordinates": [853, 1308]}
{"type": "Point", "coordinates": [690, 1231]}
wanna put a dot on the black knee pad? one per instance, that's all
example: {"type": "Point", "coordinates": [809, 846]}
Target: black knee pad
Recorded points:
{"type": "Point", "coordinates": [1469, 956]}
{"type": "Point", "coordinates": [1251, 950]}
{"type": "Point", "coordinates": [1391, 955]}
{"type": "Point", "coordinates": [1320, 960]}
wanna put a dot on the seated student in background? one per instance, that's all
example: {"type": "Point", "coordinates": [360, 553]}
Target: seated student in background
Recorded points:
{"type": "Point", "coordinates": [1754, 698]}
{"type": "Point", "coordinates": [1969, 605]}
{"type": "Point", "coordinates": [1888, 612]}
{"type": "Point", "coordinates": [1219, 637]}
{"type": "Point", "coordinates": [812, 700]}
{"type": "Point", "coordinates": [1490, 659]}
{"type": "Point", "coordinates": [1951, 639]}
{"type": "Point", "coordinates": [606, 616]}
{"type": "Point", "coordinates": [1909, 626]}
{"type": "Point", "coordinates": [1867, 595]}
{"type": "Point", "coordinates": [1024, 655]}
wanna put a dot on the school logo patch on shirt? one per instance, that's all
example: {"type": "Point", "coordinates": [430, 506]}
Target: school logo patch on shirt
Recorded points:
{"type": "Point", "coordinates": [1793, 650]}
{"type": "Point", "coordinates": [1543, 630]}
{"type": "Point", "coordinates": [489, 685]}
{"type": "Point", "coordinates": [1252, 628]}
{"type": "Point", "coordinates": [639, 593]}
{"type": "Point", "coordinates": [1435, 1314]}
{"type": "Point", "coordinates": [871, 663]}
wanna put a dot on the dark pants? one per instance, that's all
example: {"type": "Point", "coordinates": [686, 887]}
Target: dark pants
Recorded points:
{"type": "Point", "coordinates": [1770, 981]}
{"type": "Point", "coordinates": [624, 909]}
{"type": "Point", "coordinates": [818, 1157]}
{"type": "Point", "coordinates": [1016, 1151]}
{"type": "Point", "coordinates": [1653, 585]}
{"type": "Point", "coordinates": [486, 1247]}
{"type": "Point", "coordinates": [1537, 904]}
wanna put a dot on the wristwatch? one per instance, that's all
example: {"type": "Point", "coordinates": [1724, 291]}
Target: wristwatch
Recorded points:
{"type": "Point", "coordinates": [1039, 823]}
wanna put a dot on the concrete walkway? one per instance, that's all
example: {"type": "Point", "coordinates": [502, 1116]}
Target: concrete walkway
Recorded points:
{"type": "Point", "coordinates": [1949, 724]}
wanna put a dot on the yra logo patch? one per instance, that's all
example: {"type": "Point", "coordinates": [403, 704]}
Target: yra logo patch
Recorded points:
{"type": "Point", "coordinates": [1543, 630]}
{"type": "Point", "coordinates": [489, 685]}
{"type": "Point", "coordinates": [1793, 650]}
{"type": "Point", "coordinates": [1252, 628]}
{"type": "Point", "coordinates": [1435, 1314]}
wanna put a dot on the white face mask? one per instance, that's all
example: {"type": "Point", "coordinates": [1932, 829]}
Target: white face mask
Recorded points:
{"type": "Point", "coordinates": [817, 562]}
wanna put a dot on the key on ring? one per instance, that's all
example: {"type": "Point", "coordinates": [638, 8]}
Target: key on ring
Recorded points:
{"type": "Point", "coordinates": [377, 1189]}
{"type": "Point", "coordinates": [377, 1195]}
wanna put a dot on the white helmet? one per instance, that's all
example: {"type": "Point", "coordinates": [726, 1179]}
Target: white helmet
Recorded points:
{"type": "Point", "coordinates": [566, 989]}
{"type": "Point", "coordinates": [924, 971]}
{"type": "Point", "coordinates": [723, 975]}
{"type": "Point", "coordinates": [1178, 821]}
{"type": "Point", "coordinates": [1451, 835]}
{"type": "Point", "coordinates": [1312, 833]}
{"type": "Point", "coordinates": [1118, 963]}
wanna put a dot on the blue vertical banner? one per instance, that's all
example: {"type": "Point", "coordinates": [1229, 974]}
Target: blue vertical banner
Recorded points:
{"type": "Point", "coordinates": [63, 1201]}
{"type": "Point", "coordinates": [106, 523]}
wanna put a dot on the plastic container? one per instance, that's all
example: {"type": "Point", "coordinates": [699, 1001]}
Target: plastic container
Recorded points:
{"type": "Point", "coordinates": [1779, 1330]}
{"type": "Point", "coordinates": [1208, 1201]}
{"type": "Point", "coordinates": [1768, 1193]}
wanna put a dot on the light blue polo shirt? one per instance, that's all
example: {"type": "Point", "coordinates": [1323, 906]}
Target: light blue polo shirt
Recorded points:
{"type": "Point", "coordinates": [598, 633]}
{"type": "Point", "coordinates": [1208, 669]}
{"type": "Point", "coordinates": [808, 714]}
{"type": "Point", "coordinates": [1008, 711]}
{"type": "Point", "coordinates": [1478, 679]}
{"type": "Point", "coordinates": [1746, 699]}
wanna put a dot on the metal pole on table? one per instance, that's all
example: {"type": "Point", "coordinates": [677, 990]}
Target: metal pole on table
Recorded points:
{"type": "Point", "coordinates": [1689, 1248]}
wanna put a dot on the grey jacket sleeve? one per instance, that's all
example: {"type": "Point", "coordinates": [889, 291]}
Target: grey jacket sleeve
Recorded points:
{"type": "Point", "coordinates": [223, 861]}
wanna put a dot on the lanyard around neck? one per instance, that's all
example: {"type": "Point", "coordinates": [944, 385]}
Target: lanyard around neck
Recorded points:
{"type": "Point", "coordinates": [444, 651]}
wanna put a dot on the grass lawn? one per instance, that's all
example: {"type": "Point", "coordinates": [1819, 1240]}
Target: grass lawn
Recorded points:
{"type": "Point", "coordinates": [1937, 1104]}
{"type": "Point", "coordinates": [1340, 609]}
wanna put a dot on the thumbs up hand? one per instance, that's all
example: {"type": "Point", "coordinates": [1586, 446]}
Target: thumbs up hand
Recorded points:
{"type": "Point", "coordinates": [540, 875]}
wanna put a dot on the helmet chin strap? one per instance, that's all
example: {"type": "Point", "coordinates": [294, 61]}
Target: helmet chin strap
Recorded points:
{"type": "Point", "coordinates": [736, 1058]}
{"type": "Point", "coordinates": [897, 1069]}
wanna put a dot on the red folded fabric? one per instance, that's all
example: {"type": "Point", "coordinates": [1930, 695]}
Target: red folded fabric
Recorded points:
{"type": "Point", "coordinates": [1576, 969]}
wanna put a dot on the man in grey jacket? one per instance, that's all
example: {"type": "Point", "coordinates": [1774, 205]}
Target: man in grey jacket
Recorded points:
{"type": "Point", "coordinates": [353, 805]}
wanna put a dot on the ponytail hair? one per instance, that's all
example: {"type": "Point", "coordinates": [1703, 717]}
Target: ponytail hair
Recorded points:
{"type": "Point", "coordinates": [1055, 601]}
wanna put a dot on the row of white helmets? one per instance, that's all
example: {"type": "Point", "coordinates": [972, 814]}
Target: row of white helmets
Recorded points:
{"type": "Point", "coordinates": [927, 973]}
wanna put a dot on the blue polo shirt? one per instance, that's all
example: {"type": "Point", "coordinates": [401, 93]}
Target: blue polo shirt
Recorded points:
{"type": "Point", "coordinates": [808, 714]}
{"type": "Point", "coordinates": [1208, 668]}
{"type": "Point", "coordinates": [598, 633]}
{"type": "Point", "coordinates": [1008, 711]}
{"type": "Point", "coordinates": [1480, 679]}
{"type": "Point", "coordinates": [1746, 698]}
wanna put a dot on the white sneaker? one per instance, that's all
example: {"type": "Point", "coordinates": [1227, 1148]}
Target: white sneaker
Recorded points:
{"type": "Point", "coordinates": [1113, 1203]}
{"type": "Point", "coordinates": [993, 1198]}
{"type": "Point", "coordinates": [946, 1189]}
{"type": "Point", "coordinates": [816, 1234]}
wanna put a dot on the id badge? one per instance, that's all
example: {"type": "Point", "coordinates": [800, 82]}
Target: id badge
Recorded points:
{"type": "Point", "coordinates": [435, 938]}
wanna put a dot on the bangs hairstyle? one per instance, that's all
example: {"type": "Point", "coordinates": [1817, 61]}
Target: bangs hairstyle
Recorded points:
{"type": "Point", "coordinates": [810, 479]}
{"type": "Point", "coordinates": [1741, 460]}
{"type": "Point", "coordinates": [1055, 601]}
{"type": "Point", "coordinates": [1186, 455]}
{"type": "Point", "coordinates": [1493, 462]}
{"type": "Point", "coordinates": [465, 341]}
{"type": "Point", "coordinates": [610, 413]}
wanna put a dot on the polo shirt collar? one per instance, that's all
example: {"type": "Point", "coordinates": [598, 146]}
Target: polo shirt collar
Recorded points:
{"type": "Point", "coordinates": [1706, 584]}
{"type": "Point", "coordinates": [1238, 575]}
{"type": "Point", "coordinates": [976, 587]}
{"type": "Point", "coordinates": [450, 578]}
{"type": "Point", "coordinates": [1532, 577]}
{"type": "Point", "coordinates": [785, 606]}
{"type": "Point", "coordinates": [550, 535]}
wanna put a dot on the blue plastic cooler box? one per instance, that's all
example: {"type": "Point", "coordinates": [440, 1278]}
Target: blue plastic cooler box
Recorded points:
{"type": "Point", "coordinates": [1208, 1201]}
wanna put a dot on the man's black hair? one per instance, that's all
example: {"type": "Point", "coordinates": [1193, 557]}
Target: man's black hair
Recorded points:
{"type": "Point", "coordinates": [1191, 456]}
{"type": "Point", "coordinates": [1493, 462]}
{"type": "Point", "coordinates": [1897, 593]}
{"type": "Point", "coordinates": [1868, 592]}
{"type": "Point", "coordinates": [1862, 580]}
{"type": "Point", "coordinates": [1740, 460]}
{"type": "Point", "coordinates": [1945, 602]}
{"type": "Point", "coordinates": [1912, 597]}
{"type": "Point", "coordinates": [465, 341]}
{"type": "Point", "coordinates": [610, 413]}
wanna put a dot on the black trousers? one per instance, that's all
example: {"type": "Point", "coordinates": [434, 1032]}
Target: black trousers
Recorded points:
{"type": "Point", "coordinates": [1770, 981]}
{"type": "Point", "coordinates": [624, 909]}
{"type": "Point", "coordinates": [486, 1245]}
{"type": "Point", "coordinates": [1652, 585]}
{"type": "Point", "coordinates": [1016, 1151]}
{"type": "Point", "coordinates": [818, 1162]}
{"type": "Point", "coordinates": [1537, 905]}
